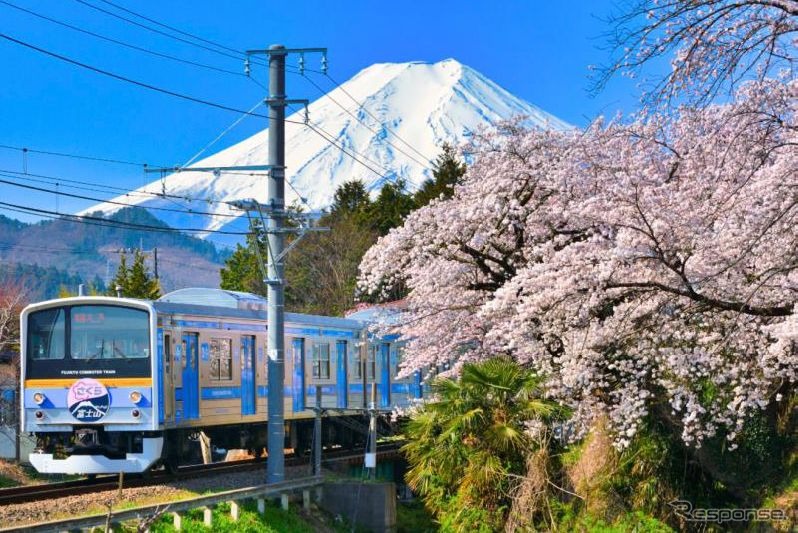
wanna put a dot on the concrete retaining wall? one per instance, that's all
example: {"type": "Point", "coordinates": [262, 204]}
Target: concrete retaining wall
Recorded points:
{"type": "Point", "coordinates": [371, 505]}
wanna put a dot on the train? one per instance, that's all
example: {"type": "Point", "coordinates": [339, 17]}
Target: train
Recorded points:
{"type": "Point", "coordinates": [113, 384]}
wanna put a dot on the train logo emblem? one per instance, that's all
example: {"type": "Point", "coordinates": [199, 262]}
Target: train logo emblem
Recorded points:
{"type": "Point", "coordinates": [88, 400]}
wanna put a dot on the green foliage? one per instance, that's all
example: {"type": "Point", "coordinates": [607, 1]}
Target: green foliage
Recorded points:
{"type": "Point", "coordinates": [6, 482]}
{"type": "Point", "coordinates": [569, 520]}
{"type": "Point", "coordinates": [135, 281]}
{"type": "Point", "coordinates": [274, 520]}
{"type": "Point", "coordinates": [413, 517]}
{"type": "Point", "coordinates": [243, 270]}
{"type": "Point", "coordinates": [465, 447]}
{"type": "Point", "coordinates": [42, 275]}
{"type": "Point", "coordinates": [447, 172]}
{"type": "Point", "coordinates": [351, 199]}
{"type": "Point", "coordinates": [41, 283]}
{"type": "Point", "coordinates": [321, 271]}
{"type": "Point", "coordinates": [391, 207]}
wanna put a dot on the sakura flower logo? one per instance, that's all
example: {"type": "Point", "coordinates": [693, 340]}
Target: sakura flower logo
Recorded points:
{"type": "Point", "coordinates": [88, 400]}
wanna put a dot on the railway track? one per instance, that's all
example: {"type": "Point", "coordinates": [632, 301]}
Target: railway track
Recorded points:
{"type": "Point", "coordinates": [46, 491]}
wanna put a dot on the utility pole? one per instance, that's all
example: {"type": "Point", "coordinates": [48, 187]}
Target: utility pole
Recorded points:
{"type": "Point", "coordinates": [273, 215]}
{"type": "Point", "coordinates": [275, 235]}
{"type": "Point", "coordinates": [275, 469]}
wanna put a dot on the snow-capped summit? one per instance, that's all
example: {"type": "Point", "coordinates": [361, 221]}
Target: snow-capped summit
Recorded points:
{"type": "Point", "coordinates": [408, 111]}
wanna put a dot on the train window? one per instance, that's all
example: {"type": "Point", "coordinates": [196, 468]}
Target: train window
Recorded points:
{"type": "Point", "coordinates": [221, 359]}
{"type": "Point", "coordinates": [46, 334]}
{"type": "Point", "coordinates": [167, 354]}
{"type": "Point", "coordinates": [321, 361]}
{"type": "Point", "coordinates": [371, 363]}
{"type": "Point", "coordinates": [105, 332]}
{"type": "Point", "coordinates": [357, 364]}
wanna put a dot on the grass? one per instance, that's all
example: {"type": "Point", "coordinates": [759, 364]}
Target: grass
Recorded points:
{"type": "Point", "coordinates": [274, 520]}
{"type": "Point", "coordinates": [413, 517]}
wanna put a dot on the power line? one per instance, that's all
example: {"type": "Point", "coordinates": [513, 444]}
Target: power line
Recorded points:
{"type": "Point", "coordinates": [223, 47]}
{"type": "Point", "coordinates": [113, 202]}
{"type": "Point", "coordinates": [362, 106]}
{"type": "Point", "coordinates": [122, 43]}
{"type": "Point", "coordinates": [330, 139]}
{"type": "Point", "coordinates": [119, 191]}
{"type": "Point", "coordinates": [129, 80]}
{"type": "Point", "coordinates": [225, 132]}
{"type": "Point", "coordinates": [155, 30]}
{"type": "Point", "coordinates": [114, 223]}
{"type": "Point", "coordinates": [348, 112]}
{"type": "Point", "coordinates": [73, 156]}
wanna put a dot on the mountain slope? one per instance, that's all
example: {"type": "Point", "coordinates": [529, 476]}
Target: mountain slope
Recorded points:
{"type": "Point", "coordinates": [43, 255]}
{"type": "Point", "coordinates": [420, 103]}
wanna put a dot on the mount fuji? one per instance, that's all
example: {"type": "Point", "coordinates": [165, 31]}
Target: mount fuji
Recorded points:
{"type": "Point", "coordinates": [404, 113]}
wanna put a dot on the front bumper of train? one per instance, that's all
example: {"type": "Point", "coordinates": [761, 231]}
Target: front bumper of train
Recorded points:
{"type": "Point", "coordinates": [151, 449]}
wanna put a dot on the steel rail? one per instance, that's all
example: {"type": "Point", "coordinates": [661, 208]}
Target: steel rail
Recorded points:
{"type": "Point", "coordinates": [46, 491]}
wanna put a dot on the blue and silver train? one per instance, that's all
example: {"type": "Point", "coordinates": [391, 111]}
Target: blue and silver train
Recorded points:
{"type": "Point", "coordinates": [122, 385]}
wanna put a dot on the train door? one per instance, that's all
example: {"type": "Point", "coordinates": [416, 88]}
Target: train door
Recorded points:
{"type": "Point", "coordinates": [342, 388]}
{"type": "Point", "coordinates": [248, 381]}
{"type": "Point", "coordinates": [168, 380]}
{"type": "Point", "coordinates": [190, 376]}
{"type": "Point", "coordinates": [385, 374]}
{"type": "Point", "coordinates": [298, 379]}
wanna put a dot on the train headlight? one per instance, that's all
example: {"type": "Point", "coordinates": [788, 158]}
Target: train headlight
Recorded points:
{"type": "Point", "coordinates": [135, 397]}
{"type": "Point", "coordinates": [39, 398]}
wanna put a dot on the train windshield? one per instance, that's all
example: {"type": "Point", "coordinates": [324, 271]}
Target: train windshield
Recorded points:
{"type": "Point", "coordinates": [88, 340]}
{"type": "Point", "coordinates": [102, 332]}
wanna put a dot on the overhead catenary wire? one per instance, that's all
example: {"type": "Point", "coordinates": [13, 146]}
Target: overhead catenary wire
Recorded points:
{"type": "Point", "coordinates": [95, 187]}
{"type": "Point", "coordinates": [26, 150]}
{"type": "Point", "coordinates": [172, 28]}
{"type": "Point", "coordinates": [114, 223]}
{"type": "Point", "coordinates": [316, 129]}
{"type": "Point", "coordinates": [123, 43]}
{"type": "Point", "coordinates": [238, 55]}
{"type": "Point", "coordinates": [223, 133]}
{"type": "Point", "coordinates": [112, 202]}
{"type": "Point", "coordinates": [130, 80]}
{"type": "Point", "coordinates": [155, 30]}
{"type": "Point", "coordinates": [328, 95]}
{"type": "Point", "coordinates": [362, 106]}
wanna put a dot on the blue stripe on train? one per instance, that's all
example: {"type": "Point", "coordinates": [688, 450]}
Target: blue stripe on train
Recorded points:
{"type": "Point", "coordinates": [220, 393]}
{"type": "Point", "coordinates": [298, 381]}
{"type": "Point", "coordinates": [315, 332]}
{"type": "Point", "coordinates": [341, 375]}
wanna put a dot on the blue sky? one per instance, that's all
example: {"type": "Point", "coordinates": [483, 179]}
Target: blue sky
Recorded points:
{"type": "Point", "coordinates": [538, 50]}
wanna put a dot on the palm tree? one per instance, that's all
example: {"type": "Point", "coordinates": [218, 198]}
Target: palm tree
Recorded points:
{"type": "Point", "coordinates": [467, 447]}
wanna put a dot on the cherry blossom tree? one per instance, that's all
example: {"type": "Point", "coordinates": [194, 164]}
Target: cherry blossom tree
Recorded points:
{"type": "Point", "coordinates": [713, 45]}
{"type": "Point", "coordinates": [643, 267]}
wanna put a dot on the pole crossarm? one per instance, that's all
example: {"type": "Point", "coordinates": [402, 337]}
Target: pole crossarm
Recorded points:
{"type": "Point", "coordinates": [285, 51]}
{"type": "Point", "coordinates": [214, 169]}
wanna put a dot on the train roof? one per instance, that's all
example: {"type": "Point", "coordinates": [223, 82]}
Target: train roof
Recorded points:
{"type": "Point", "coordinates": [235, 304]}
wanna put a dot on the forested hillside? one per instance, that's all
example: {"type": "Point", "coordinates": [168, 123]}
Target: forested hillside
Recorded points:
{"type": "Point", "coordinates": [42, 257]}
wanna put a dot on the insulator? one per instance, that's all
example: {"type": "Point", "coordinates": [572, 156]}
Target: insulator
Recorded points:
{"type": "Point", "coordinates": [324, 64]}
{"type": "Point", "coordinates": [307, 115]}
{"type": "Point", "coordinates": [246, 67]}
{"type": "Point", "coordinates": [301, 63]}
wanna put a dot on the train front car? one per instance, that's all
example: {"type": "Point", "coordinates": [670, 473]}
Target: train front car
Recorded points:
{"type": "Point", "coordinates": [88, 381]}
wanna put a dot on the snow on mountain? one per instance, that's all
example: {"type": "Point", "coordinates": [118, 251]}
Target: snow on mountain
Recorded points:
{"type": "Point", "coordinates": [409, 111]}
